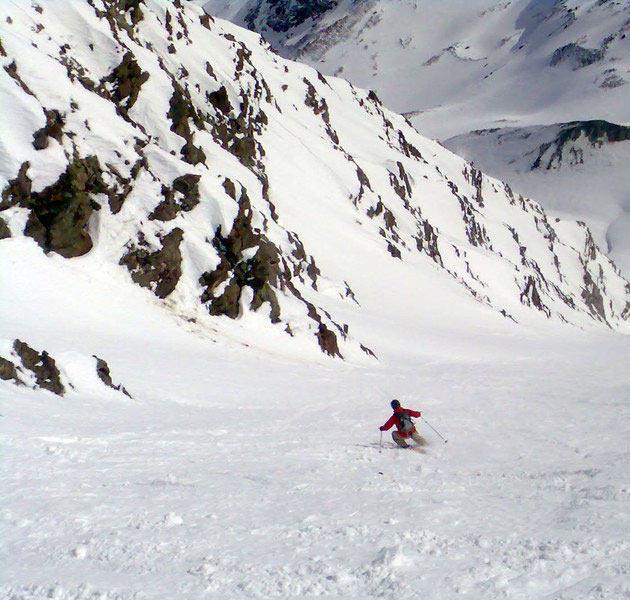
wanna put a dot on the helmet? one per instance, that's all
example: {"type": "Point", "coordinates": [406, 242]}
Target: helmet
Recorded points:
{"type": "Point", "coordinates": [395, 404]}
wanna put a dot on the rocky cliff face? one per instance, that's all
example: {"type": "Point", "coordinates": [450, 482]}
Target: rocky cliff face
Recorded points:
{"type": "Point", "coordinates": [572, 140]}
{"type": "Point", "coordinates": [221, 178]}
{"type": "Point", "coordinates": [282, 15]}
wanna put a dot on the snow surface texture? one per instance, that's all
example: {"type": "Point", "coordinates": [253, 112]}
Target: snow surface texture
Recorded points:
{"type": "Point", "coordinates": [233, 183]}
{"type": "Point", "coordinates": [236, 474]}
{"type": "Point", "coordinates": [458, 67]}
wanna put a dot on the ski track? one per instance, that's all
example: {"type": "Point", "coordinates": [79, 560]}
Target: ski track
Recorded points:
{"type": "Point", "coordinates": [293, 499]}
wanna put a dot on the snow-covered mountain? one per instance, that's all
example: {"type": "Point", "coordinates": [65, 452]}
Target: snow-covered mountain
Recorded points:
{"type": "Point", "coordinates": [578, 168]}
{"type": "Point", "coordinates": [456, 68]}
{"type": "Point", "coordinates": [185, 154]}
{"type": "Point", "coordinates": [451, 64]}
{"type": "Point", "coordinates": [190, 225]}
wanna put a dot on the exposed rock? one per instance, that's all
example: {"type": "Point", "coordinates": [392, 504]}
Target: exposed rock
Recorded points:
{"type": "Point", "coordinates": [220, 100]}
{"type": "Point", "coordinates": [116, 196]}
{"type": "Point", "coordinates": [131, 8]}
{"type": "Point", "coordinates": [261, 272]}
{"type": "Point", "coordinates": [531, 297]}
{"type": "Point", "coordinates": [593, 298]}
{"type": "Point", "coordinates": [8, 371]}
{"type": "Point", "coordinates": [121, 14]}
{"type": "Point", "coordinates": [288, 13]}
{"type": "Point", "coordinates": [409, 149]}
{"type": "Point", "coordinates": [576, 56]}
{"type": "Point", "coordinates": [320, 107]}
{"type": "Point", "coordinates": [181, 111]}
{"type": "Point", "coordinates": [44, 368]}
{"type": "Point", "coordinates": [182, 196]}
{"type": "Point", "coordinates": [328, 341]}
{"type": "Point", "coordinates": [18, 190]}
{"type": "Point", "coordinates": [103, 372]}
{"type": "Point", "coordinates": [597, 132]}
{"type": "Point", "coordinates": [5, 232]}
{"type": "Point", "coordinates": [52, 129]}
{"type": "Point", "coordinates": [611, 79]}
{"type": "Point", "coordinates": [12, 71]}
{"type": "Point", "coordinates": [475, 232]}
{"type": "Point", "coordinates": [475, 177]}
{"type": "Point", "coordinates": [60, 212]}
{"type": "Point", "coordinates": [126, 81]}
{"type": "Point", "coordinates": [206, 20]}
{"type": "Point", "coordinates": [159, 270]}
{"type": "Point", "coordinates": [427, 242]}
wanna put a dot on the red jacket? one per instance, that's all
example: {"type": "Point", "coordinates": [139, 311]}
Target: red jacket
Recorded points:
{"type": "Point", "coordinates": [394, 420]}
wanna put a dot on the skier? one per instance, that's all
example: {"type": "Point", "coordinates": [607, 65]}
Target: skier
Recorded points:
{"type": "Point", "coordinates": [405, 427]}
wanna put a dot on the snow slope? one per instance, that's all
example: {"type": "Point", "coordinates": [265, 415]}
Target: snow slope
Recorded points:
{"type": "Point", "coordinates": [577, 168]}
{"type": "Point", "coordinates": [239, 474]}
{"type": "Point", "coordinates": [456, 68]}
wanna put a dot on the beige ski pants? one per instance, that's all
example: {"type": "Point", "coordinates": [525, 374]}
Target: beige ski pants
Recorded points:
{"type": "Point", "coordinates": [402, 442]}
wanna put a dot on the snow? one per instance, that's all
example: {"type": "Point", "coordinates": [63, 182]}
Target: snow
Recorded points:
{"type": "Point", "coordinates": [460, 66]}
{"type": "Point", "coordinates": [247, 463]}
{"type": "Point", "coordinates": [592, 187]}
{"type": "Point", "coordinates": [239, 474]}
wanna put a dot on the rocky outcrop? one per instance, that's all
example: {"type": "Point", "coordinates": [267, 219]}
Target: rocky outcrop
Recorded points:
{"type": "Point", "coordinates": [262, 272]}
{"type": "Point", "coordinates": [124, 83]}
{"type": "Point", "coordinates": [181, 113]}
{"type": "Point", "coordinates": [9, 372]}
{"type": "Point", "coordinates": [104, 374]}
{"type": "Point", "coordinates": [5, 232]}
{"type": "Point", "coordinates": [39, 370]}
{"type": "Point", "coordinates": [282, 15]}
{"type": "Point", "coordinates": [552, 154]}
{"type": "Point", "coordinates": [576, 56]}
{"type": "Point", "coordinates": [59, 214]}
{"type": "Point", "coordinates": [42, 366]}
{"type": "Point", "coordinates": [181, 196]}
{"type": "Point", "coordinates": [52, 129]}
{"type": "Point", "coordinates": [159, 270]}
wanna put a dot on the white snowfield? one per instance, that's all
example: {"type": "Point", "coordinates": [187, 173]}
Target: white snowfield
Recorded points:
{"type": "Point", "coordinates": [236, 473]}
{"type": "Point", "coordinates": [247, 462]}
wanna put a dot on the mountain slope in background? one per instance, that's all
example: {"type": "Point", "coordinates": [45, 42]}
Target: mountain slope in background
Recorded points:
{"type": "Point", "coordinates": [450, 64]}
{"type": "Point", "coordinates": [456, 68]}
{"type": "Point", "coordinates": [578, 168]}
{"type": "Point", "coordinates": [232, 183]}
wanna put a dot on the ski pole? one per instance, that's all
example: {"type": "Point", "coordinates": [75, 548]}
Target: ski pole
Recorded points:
{"type": "Point", "coordinates": [434, 429]}
{"type": "Point", "coordinates": [380, 444]}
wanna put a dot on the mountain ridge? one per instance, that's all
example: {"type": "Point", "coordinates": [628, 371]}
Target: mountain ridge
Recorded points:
{"type": "Point", "coordinates": [457, 68]}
